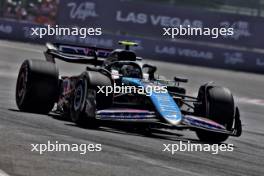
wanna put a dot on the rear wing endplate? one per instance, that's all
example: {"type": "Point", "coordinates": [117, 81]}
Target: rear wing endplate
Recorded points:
{"type": "Point", "coordinates": [76, 54]}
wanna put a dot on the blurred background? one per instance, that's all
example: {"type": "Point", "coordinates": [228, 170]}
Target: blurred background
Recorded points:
{"type": "Point", "coordinates": [243, 7]}
{"type": "Point", "coordinates": [142, 21]}
{"type": "Point", "coordinates": [21, 8]}
{"type": "Point", "coordinates": [35, 11]}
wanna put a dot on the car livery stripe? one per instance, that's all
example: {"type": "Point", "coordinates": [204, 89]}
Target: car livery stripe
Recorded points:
{"type": "Point", "coordinates": [163, 102]}
{"type": "Point", "coordinates": [115, 114]}
{"type": "Point", "coordinates": [202, 122]}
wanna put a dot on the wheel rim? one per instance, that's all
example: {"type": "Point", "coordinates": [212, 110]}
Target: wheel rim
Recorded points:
{"type": "Point", "coordinates": [78, 98]}
{"type": "Point", "coordinates": [22, 85]}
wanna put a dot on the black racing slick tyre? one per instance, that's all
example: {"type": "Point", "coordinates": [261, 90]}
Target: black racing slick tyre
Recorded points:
{"type": "Point", "coordinates": [37, 86]}
{"type": "Point", "coordinates": [217, 105]}
{"type": "Point", "coordinates": [86, 101]}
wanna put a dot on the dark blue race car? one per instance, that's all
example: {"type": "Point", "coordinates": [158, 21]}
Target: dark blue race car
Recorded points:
{"type": "Point", "coordinates": [118, 86]}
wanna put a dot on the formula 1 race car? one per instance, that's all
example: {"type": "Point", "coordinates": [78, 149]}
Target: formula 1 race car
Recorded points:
{"type": "Point", "coordinates": [117, 86]}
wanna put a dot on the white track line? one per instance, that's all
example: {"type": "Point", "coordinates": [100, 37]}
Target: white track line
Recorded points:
{"type": "Point", "coordinates": [259, 102]}
{"type": "Point", "coordinates": [2, 173]}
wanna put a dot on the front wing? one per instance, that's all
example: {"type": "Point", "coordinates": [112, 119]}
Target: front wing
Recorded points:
{"type": "Point", "coordinates": [142, 116]}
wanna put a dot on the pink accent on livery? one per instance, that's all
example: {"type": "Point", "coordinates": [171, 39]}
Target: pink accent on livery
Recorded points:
{"type": "Point", "coordinates": [208, 121]}
{"type": "Point", "coordinates": [118, 110]}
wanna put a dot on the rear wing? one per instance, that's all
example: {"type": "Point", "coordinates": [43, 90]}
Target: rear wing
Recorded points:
{"type": "Point", "coordinates": [76, 54]}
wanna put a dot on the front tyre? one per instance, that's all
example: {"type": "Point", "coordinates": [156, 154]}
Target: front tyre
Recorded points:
{"type": "Point", "coordinates": [86, 101]}
{"type": "Point", "coordinates": [217, 105]}
{"type": "Point", "coordinates": [83, 105]}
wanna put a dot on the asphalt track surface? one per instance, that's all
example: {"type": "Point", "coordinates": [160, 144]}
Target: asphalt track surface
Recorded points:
{"type": "Point", "coordinates": [124, 152]}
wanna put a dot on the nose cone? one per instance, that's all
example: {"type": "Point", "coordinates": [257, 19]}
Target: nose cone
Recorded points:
{"type": "Point", "coordinates": [173, 119]}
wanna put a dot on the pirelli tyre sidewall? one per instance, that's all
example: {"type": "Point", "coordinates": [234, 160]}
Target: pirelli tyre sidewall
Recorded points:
{"type": "Point", "coordinates": [21, 87]}
{"type": "Point", "coordinates": [83, 98]}
{"type": "Point", "coordinates": [37, 86]}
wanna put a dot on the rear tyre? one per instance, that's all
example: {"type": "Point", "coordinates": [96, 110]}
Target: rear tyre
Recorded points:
{"type": "Point", "coordinates": [37, 86]}
{"type": "Point", "coordinates": [218, 105]}
{"type": "Point", "coordinates": [86, 101]}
